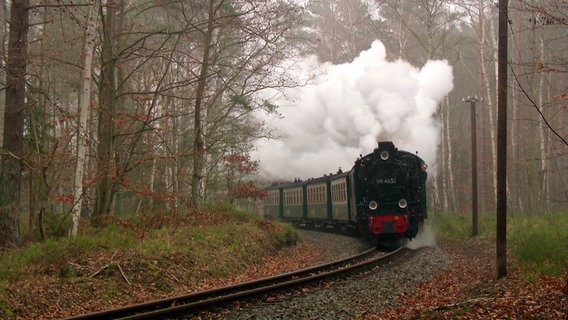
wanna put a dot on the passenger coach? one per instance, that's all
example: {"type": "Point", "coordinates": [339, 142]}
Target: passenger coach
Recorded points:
{"type": "Point", "coordinates": [325, 201]}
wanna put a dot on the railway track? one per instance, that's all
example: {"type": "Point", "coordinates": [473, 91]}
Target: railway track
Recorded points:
{"type": "Point", "coordinates": [196, 302]}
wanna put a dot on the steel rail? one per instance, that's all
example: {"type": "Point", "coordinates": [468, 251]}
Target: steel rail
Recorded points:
{"type": "Point", "coordinates": [178, 304]}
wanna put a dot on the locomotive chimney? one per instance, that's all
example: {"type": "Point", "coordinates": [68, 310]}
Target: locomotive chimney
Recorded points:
{"type": "Point", "coordinates": [385, 150]}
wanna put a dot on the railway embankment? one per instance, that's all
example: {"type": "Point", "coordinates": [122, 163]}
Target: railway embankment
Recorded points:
{"type": "Point", "coordinates": [451, 280]}
{"type": "Point", "coordinates": [127, 261]}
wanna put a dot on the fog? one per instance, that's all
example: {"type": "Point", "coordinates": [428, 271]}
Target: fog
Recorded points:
{"type": "Point", "coordinates": [347, 108]}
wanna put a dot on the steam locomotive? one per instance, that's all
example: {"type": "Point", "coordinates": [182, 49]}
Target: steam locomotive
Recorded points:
{"type": "Point", "coordinates": [382, 198]}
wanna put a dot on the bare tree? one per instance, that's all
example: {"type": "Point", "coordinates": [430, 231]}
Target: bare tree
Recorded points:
{"type": "Point", "coordinates": [538, 69]}
{"type": "Point", "coordinates": [198, 190]}
{"type": "Point", "coordinates": [12, 154]}
{"type": "Point", "coordinates": [3, 28]}
{"type": "Point", "coordinates": [107, 109]}
{"type": "Point", "coordinates": [246, 50]}
{"type": "Point", "coordinates": [337, 30]}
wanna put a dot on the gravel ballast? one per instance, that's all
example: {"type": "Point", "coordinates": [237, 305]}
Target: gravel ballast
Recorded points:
{"type": "Point", "coordinates": [354, 297]}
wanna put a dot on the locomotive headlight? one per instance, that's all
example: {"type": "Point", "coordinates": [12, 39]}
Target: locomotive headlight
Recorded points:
{"type": "Point", "coordinates": [373, 205]}
{"type": "Point", "coordinates": [402, 203]}
{"type": "Point", "coordinates": [385, 155]}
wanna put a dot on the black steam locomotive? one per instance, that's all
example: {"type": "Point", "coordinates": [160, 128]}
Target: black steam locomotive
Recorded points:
{"type": "Point", "coordinates": [382, 198]}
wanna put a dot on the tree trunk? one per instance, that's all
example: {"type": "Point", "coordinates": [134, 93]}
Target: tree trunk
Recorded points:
{"type": "Point", "coordinates": [171, 152]}
{"type": "Point", "coordinates": [152, 179]}
{"type": "Point", "coordinates": [105, 149]}
{"type": "Point", "coordinates": [174, 171]}
{"type": "Point", "coordinates": [4, 17]}
{"type": "Point", "coordinates": [444, 164]}
{"type": "Point", "coordinates": [435, 198]}
{"type": "Point", "coordinates": [199, 156]}
{"type": "Point", "coordinates": [543, 193]}
{"type": "Point", "coordinates": [516, 195]}
{"type": "Point", "coordinates": [490, 107]}
{"type": "Point", "coordinates": [449, 152]}
{"type": "Point", "coordinates": [84, 102]}
{"type": "Point", "coordinates": [11, 165]}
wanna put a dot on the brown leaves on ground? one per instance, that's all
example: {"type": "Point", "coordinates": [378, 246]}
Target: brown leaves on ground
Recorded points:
{"type": "Point", "coordinates": [122, 278]}
{"type": "Point", "coordinates": [469, 289]}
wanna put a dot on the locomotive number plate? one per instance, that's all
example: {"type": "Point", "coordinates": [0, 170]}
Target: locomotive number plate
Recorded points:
{"type": "Point", "coordinates": [386, 181]}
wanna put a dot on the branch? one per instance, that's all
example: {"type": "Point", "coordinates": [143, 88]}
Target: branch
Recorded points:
{"type": "Point", "coordinates": [537, 108]}
{"type": "Point", "coordinates": [110, 264]}
{"type": "Point", "coordinates": [21, 160]}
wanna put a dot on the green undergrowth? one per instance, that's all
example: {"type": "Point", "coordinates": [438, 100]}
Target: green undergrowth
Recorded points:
{"type": "Point", "coordinates": [539, 243]}
{"type": "Point", "coordinates": [217, 241]}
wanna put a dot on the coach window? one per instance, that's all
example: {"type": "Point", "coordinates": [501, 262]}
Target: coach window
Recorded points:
{"type": "Point", "coordinates": [289, 197]}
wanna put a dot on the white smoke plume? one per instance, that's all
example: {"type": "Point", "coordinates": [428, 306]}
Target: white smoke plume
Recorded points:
{"type": "Point", "coordinates": [349, 108]}
{"type": "Point", "coordinates": [425, 238]}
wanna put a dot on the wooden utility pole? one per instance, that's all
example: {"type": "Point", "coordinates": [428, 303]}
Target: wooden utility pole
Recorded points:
{"type": "Point", "coordinates": [502, 140]}
{"type": "Point", "coordinates": [474, 216]}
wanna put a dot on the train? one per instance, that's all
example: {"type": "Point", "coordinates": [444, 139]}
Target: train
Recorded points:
{"type": "Point", "coordinates": [382, 198]}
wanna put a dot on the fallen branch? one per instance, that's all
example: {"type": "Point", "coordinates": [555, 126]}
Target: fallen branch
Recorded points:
{"type": "Point", "coordinates": [99, 271]}
{"type": "Point", "coordinates": [110, 264]}
{"type": "Point", "coordinates": [122, 273]}
{"type": "Point", "coordinates": [169, 273]}
{"type": "Point", "coordinates": [107, 266]}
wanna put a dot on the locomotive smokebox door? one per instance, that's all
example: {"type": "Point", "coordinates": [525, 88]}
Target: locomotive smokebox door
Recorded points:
{"type": "Point", "coordinates": [385, 151]}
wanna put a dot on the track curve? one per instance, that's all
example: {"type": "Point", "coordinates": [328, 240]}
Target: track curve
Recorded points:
{"type": "Point", "coordinates": [203, 300]}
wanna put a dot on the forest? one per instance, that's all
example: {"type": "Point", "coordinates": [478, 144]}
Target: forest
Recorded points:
{"type": "Point", "coordinates": [117, 107]}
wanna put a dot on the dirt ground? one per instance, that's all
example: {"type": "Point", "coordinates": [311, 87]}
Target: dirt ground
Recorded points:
{"type": "Point", "coordinates": [468, 290]}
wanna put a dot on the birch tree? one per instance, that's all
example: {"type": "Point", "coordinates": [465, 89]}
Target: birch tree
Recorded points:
{"type": "Point", "coordinates": [84, 102]}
